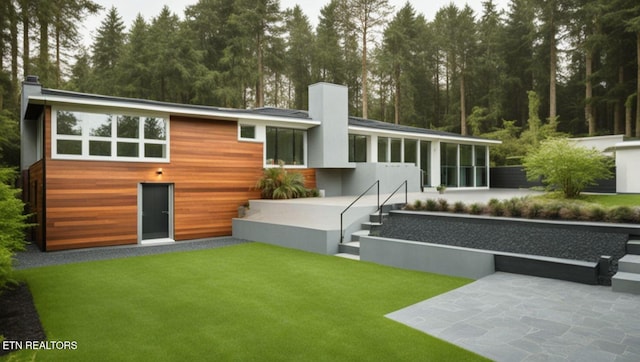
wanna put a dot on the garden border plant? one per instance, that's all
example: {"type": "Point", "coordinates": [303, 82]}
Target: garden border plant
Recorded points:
{"type": "Point", "coordinates": [536, 208]}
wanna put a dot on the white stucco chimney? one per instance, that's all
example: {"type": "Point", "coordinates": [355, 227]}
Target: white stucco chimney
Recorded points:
{"type": "Point", "coordinates": [329, 142]}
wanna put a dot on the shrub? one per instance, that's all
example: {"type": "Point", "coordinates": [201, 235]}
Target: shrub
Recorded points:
{"type": "Point", "coordinates": [459, 207]}
{"type": "Point", "coordinates": [565, 166]}
{"type": "Point", "coordinates": [417, 205]}
{"type": "Point", "coordinates": [431, 205]}
{"type": "Point", "coordinates": [514, 207]}
{"type": "Point", "coordinates": [476, 209]}
{"type": "Point", "coordinates": [623, 214]}
{"type": "Point", "coordinates": [496, 208]}
{"type": "Point", "coordinates": [278, 183]}
{"type": "Point", "coordinates": [13, 222]}
{"type": "Point", "coordinates": [443, 205]}
{"type": "Point", "coordinates": [596, 213]}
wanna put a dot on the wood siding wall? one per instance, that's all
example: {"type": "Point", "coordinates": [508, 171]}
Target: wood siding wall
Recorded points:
{"type": "Point", "coordinates": [95, 203]}
{"type": "Point", "coordinates": [34, 193]}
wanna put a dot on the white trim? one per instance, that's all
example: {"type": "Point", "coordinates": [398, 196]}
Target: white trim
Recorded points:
{"type": "Point", "coordinates": [421, 136]}
{"type": "Point", "coordinates": [174, 110]}
{"type": "Point", "coordinates": [171, 225]}
{"type": "Point", "coordinates": [85, 138]}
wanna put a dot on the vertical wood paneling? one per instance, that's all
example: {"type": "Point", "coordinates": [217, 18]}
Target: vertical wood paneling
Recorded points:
{"type": "Point", "coordinates": [35, 202]}
{"type": "Point", "coordinates": [94, 203]}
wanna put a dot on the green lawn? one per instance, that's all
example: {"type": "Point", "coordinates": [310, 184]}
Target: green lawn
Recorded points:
{"type": "Point", "coordinates": [246, 302]}
{"type": "Point", "coordinates": [613, 200]}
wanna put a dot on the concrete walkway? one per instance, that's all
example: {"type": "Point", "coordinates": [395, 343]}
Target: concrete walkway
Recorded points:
{"type": "Point", "coordinates": [510, 317]}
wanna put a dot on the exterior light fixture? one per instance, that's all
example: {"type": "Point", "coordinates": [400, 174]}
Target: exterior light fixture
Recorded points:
{"type": "Point", "coordinates": [159, 171]}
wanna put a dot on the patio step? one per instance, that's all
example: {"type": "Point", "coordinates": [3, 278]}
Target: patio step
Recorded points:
{"type": "Point", "coordinates": [633, 247]}
{"type": "Point", "coordinates": [368, 225]}
{"type": "Point", "coordinates": [379, 218]}
{"type": "Point", "coordinates": [352, 247]}
{"type": "Point", "coordinates": [348, 256]}
{"type": "Point", "coordinates": [624, 282]}
{"type": "Point", "coordinates": [355, 236]}
{"type": "Point", "coordinates": [629, 264]}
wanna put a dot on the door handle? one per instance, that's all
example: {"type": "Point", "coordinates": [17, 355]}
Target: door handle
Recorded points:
{"type": "Point", "coordinates": [166, 212]}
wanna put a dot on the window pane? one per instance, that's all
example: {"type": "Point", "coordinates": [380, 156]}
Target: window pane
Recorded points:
{"type": "Point", "coordinates": [99, 125]}
{"type": "Point", "coordinates": [126, 149]}
{"type": "Point", "coordinates": [271, 145]}
{"type": "Point", "coordinates": [411, 151]}
{"type": "Point", "coordinates": [425, 162]}
{"type": "Point", "coordinates": [284, 146]}
{"type": "Point", "coordinates": [481, 155]}
{"type": "Point", "coordinates": [382, 149]}
{"type": "Point", "coordinates": [100, 148]}
{"type": "Point", "coordinates": [248, 132]}
{"type": "Point", "coordinates": [449, 164]}
{"type": "Point", "coordinates": [466, 155]}
{"type": "Point", "coordinates": [481, 176]}
{"type": "Point", "coordinates": [298, 147]}
{"type": "Point", "coordinates": [154, 150]}
{"type": "Point", "coordinates": [67, 147]}
{"type": "Point", "coordinates": [68, 123]}
{"type": "Point", "coordinates": [155, 128]}
{"type": "Point", "coordinates": [396, 150]}
{"type": "Point", "coordinates": [360, 148]}
{"type": "Point", "coordinates": [128, 127]}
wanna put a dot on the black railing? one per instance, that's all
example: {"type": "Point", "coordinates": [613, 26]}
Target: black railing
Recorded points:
{"type": "Point", "coordinates": [354, 201]}
{"type": "Point", "coordinates": [406, 198]}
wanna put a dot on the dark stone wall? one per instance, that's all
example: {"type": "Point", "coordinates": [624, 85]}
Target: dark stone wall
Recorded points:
{"type": "Point", "coordinates": [514, 177]}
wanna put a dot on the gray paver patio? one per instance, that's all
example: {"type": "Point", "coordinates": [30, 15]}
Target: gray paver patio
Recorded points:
{"type": "Point", "coordinates": [510, 317]}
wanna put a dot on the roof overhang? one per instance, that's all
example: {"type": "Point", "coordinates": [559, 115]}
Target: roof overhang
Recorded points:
{"type": "Point", "coordinates": [423, 136]}
{"type": "Point", "coordinates": [168, 108]}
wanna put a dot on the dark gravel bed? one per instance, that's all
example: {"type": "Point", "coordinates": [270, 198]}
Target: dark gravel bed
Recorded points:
{"type": "Point", "coordinates": [516, 237]}
{"type": "Point", "coordinates": [19, 320]}
{"type": "Point", "coordinates": [33, 257]}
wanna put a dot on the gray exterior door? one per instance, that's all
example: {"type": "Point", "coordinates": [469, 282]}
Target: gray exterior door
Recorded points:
{"type": "Point", "coordinates": [155, 211]}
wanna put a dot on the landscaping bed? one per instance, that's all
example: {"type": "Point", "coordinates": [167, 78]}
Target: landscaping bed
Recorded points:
{"type": "Point", "coordinates": [557, 239]}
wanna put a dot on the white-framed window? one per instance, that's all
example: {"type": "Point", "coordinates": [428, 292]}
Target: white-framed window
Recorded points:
{"type": "Point", "coordinates": [247, 132]}
{"type": "Point", "coordinates": [79, 134]}
{"type": "Point", "coordinates": [286, 146]}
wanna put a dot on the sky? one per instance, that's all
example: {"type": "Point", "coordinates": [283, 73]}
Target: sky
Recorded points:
{"type": "Point", "coordinates": [129, 9]}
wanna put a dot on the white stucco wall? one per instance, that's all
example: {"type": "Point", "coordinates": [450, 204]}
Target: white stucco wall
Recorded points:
{"type": "Point", "coordinates": [628, 167]}
{"type": "Point", "coordinates": [600, 143]}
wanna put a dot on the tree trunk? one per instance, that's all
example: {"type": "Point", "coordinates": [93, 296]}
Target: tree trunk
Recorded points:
{"type": "Point", "coordinates": [638, 85]}
{"type": "Point", "coordinates": [617, 112]}
{"type": "Point", "coordinates": [58, 62]}
{"type": "Point", "coordinates": [463, 106]}
{"type": "Point", "coordinates": [25, 39]}
{"type": "Point", "coordinates": [397, 97]}
{"type": "Point", "coordinates": [14, 51]}
{"type": "Point", "coordinates": [553, 64]}
{"type": "Point", "coordinates": [588, 107]}
{"type": "Point", "coordinates": [365, 97]}
{"type": "Point", "coordinates": [260, 85]}
{"type": "Point", "coordinates": [628, 116]}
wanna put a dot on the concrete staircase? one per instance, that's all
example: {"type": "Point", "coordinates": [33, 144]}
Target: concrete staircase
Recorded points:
{"type": "Point", "coordinates": [351, 249]}
{"type": "Point", "coordinates": [627, 279]}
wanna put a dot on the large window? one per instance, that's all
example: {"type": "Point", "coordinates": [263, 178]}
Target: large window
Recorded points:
{"type": "Point", "coordinates": [411, 151]}
{"type": "Point", "coordinates": [449, 164]}
{"type": "Point", "coordinates": [463, 165]}
{"type": "Point", "coordinates": [396, 150]}
{"type": "Point", "coordinates": [357, 148]}
{"type": "Point", "coordinates": [383, 144]}
{"type": "Point", "coordinates": [285, 145]}
{"type": "Point", "coordinates": [101, 136]}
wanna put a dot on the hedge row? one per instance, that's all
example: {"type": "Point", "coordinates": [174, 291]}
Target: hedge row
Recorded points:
{"type": "Point", "coordinates": [526, 207]}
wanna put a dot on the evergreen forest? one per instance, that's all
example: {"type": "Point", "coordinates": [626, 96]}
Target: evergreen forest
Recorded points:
{"type": "Point", "coordinates": [534, 69]}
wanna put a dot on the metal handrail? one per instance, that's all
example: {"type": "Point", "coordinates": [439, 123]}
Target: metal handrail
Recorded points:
{"type": "Point", "coordinates": [406, 197]}
{"type": "Point", "coordinates": [354, 201]}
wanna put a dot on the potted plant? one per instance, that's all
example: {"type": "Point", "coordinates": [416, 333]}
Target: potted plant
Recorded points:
{"type": "Point", "coordinates": [441, 188]}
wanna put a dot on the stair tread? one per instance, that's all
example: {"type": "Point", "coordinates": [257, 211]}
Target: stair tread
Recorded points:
{"type": "Point", "coordinates": [348, 256]}
{"type": "Point", "coordinates": [361, 232]}
{"type": "Point", "coordinates": [355, 244]}
{"type": "Point", "coordinates": [626, 276]}
{"type": "Point", "coordinates": [630, 258]}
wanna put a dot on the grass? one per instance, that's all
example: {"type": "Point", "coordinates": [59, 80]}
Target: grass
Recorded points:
{"type": "Point", "coordinates": [246, 302]}
{"type": "Point", "coordinates": [613, 200]}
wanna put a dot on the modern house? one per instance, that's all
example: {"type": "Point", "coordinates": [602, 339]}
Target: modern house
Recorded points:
{"type": "Point", "coordinates": [100, 170]}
